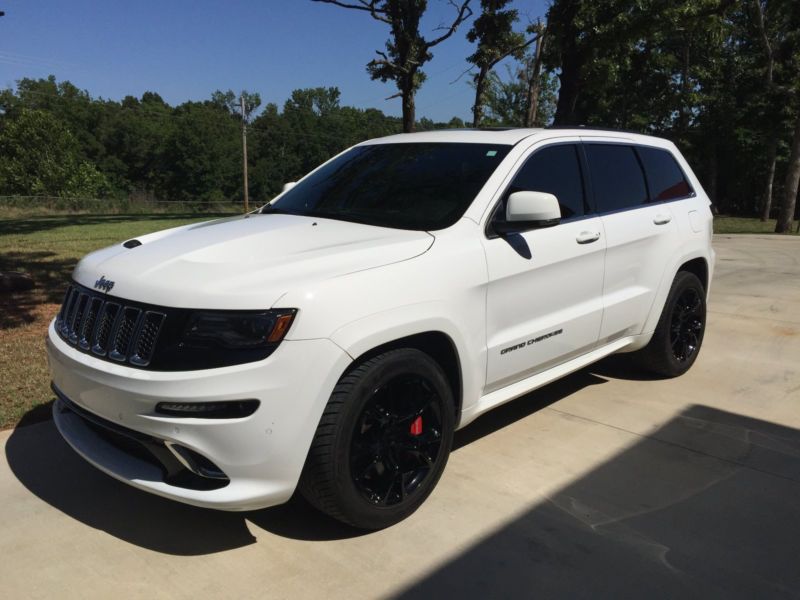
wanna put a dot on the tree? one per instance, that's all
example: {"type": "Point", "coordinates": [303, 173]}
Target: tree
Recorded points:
{"type": "Point", "coordinates": [41, 157]}
{"type": "Point", "coordinates": [407, 50]}
{"type": "Point", "coordinates": [202, 154]}
{"type": "Point", "coordinates": [589, 39]}
{"type": "Point", "coordinates": [493, 31]}
{"type": "Point", "coordinates": [758, 10]}
{"type": "Point", "coordinates": [534, 75]}
{"type": "Point", "coordinates": [233, 103]}
{"type": "Point", "coordinates": [784, 224]}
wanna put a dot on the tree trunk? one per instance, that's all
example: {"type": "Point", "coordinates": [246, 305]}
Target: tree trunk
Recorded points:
{"type": "Point", "coordinates": [477, 108]}
{"type": "Point", "coordinates": [713, 172]}
{"type": "Point", "coordinates": [534, 80]}
{"type": "Point", "coordinates": [683, 114]}
{"type": "Point", "coordinates": [766, 201]}
{"type": "Point", "coordinates": [409, 111]}
{"type": "Point", "coordinates": [568, 92]}
{"type": "Point", "coordinates": [786, 216]}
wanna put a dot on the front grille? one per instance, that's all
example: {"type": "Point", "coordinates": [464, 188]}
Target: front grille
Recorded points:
{"type": "Point", "coordinates": [94, 323]}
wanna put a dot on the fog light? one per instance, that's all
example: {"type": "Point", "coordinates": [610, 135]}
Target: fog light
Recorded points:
{"type": "Point", "coordinates": [228, 409]}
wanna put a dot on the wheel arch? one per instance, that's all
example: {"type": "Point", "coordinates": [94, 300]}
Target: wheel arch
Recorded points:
{"type": "Point", "coordinates": [694, 262]}
{"type": "Point", "coordinates": [697, 266]}
{"type": "Point", "coordinates": [436, 344]}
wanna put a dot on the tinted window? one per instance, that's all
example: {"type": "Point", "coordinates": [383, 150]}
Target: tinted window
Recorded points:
{"type": "Point", "coordinates": [407, 186]}
{"type": "Point", "coordinates": [664, 176]}
{"type": "Point", "coordinates": [554, 170]}
{"type": "Point", "coordinates": [617, 178]}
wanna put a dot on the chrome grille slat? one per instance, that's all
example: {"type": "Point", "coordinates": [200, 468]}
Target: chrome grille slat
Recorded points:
{"type": "Point", "coordinates": [68, 312]}
{"type": "Point", "coordinates": [114, 330]}
{"type": "Point", "coordinates": [124, 329]}
{"type": "Point", "coordinates": [105, 327]}
{"type": "Point", "coordinates": [89, 320]}
{"type": "Point", "coordinates": [145, 338]}
{"type": "Point", "coordinates": [77, 318]}
{"type": "Point", "coordinates": [63, 309]}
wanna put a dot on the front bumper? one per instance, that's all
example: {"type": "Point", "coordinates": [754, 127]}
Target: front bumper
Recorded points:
{"type": "Point", "coordinates": [261, 455]}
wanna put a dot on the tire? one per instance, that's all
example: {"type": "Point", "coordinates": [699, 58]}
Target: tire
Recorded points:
{"type": "Point", "coordinates": [382, 442]}
{"type": "Point", "coordinates": [679, 334]}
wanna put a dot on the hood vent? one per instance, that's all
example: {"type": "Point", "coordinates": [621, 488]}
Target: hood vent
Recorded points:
{"type": "Point", "coordinates": [132, 243]}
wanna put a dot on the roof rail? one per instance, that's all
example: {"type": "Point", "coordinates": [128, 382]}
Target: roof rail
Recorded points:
{"type": "Point", "coordinates": [597, 128]}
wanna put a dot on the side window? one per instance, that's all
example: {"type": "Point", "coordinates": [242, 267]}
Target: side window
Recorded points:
{"type": "Point", "coordinates": [664, 177]}
{"type": "Point", "coordinates": [617, 177]}
{"type": "Point", "coordinates": [555, 170]}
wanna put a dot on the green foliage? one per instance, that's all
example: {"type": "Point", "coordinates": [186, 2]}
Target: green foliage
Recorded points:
{"type": "Point", "coordinates": [57, 140]}
{"type": "Point", "coordinates": [721, 78]}
{"type": "Point", "coordinates": [493, 32]}
{"type": "Point", "coordinates": [692, 71]}
{"type": "Point", "coordinates": [406, 50]}
{"type": "Point", "coordinates": [506, 100]}
{"type": "Point", "coordinates": [41, 156]}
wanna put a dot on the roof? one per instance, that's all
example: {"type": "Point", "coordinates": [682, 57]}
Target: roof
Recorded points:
{"type": "Point", "coordinates": [502, 136]}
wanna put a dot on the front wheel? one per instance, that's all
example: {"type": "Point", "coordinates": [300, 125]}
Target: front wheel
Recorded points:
{"type": "Point", "coordinates": [383, 440]}
{"type": "Point", "coordinates": [679, 333]}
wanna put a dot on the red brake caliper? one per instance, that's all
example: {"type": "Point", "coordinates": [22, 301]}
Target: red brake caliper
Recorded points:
{"type": "Point", "coordinates": [416, 426]}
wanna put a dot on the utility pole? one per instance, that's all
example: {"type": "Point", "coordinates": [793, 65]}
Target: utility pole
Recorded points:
{"type": "Point", "coordinates": [244, 155]}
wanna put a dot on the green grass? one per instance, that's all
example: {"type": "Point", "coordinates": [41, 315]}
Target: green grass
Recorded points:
{"type": "Point", "coordinates": [746, 225]}
{"type": "Point", "coordinates": [47, 248]}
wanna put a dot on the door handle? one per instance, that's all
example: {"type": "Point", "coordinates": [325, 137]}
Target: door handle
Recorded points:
{"type": "Point", "coordinates": [662, 219]}
{"type": "Point", "coordinates": [587, 237]}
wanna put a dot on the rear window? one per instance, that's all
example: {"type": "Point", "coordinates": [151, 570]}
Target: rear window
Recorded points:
{"type": "Point", "coordinates": [617, 177]}
{"type": "Point", "coordinates": [664, 177]}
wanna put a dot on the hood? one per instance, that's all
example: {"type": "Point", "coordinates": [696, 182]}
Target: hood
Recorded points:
{"type": "Point", "coordinates": [244, 262]}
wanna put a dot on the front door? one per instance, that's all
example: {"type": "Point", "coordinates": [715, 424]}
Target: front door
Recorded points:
{"type": "Point", "coordinates": [544, 302]}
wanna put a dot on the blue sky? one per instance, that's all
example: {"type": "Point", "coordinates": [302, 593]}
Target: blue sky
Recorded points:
{"type": "Point", "coordinates": [185, 50]}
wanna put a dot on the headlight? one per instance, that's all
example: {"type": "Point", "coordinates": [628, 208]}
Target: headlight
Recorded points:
{"type": "Point", "coordinates": [236, 331]}
{"type": "Point", "coordinates": [209, 339]}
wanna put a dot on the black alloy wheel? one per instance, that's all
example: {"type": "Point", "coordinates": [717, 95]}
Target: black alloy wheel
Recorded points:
{"type": "Point", "coordinates": [679, 333]}
{"type": "Point", "coordinates": [383, 440]}
{"type": "Point", "coordinates": [397, 440]}
{"type": "Point", "coordinates": [686, 325]}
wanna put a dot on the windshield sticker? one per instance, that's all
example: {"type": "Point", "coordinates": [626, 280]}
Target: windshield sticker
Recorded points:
{"type": "Point", "coordinates": [491, 153]}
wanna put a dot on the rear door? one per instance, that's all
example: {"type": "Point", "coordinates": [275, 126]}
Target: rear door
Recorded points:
{"type": "Point", "coordinates": [640, 231]}
{"type": "Point", "coordinates": [544, 301]}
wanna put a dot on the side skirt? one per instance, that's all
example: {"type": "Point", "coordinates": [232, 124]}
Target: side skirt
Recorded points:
{"type": "Point", "coordinates": [520, 388]}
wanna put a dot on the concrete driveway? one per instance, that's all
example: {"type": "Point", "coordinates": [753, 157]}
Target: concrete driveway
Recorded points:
{"type": "Point", "coordinates": [605, 484]}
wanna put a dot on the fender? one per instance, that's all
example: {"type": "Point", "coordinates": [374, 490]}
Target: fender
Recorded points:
{"type": "Point", "coordinates": [360, 336]}
{"type": "Point", "coordinates": [663, 291]}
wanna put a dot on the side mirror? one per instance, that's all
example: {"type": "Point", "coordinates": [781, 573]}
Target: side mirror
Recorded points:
{"type": "Point", "coordinates": [288, 185]}
{"type": "Point", "coordinates": [529, 210]}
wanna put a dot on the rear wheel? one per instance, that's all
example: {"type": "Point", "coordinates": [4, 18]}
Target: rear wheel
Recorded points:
{"type": "Point", "coordinates": [679, 333]}
{"type": "Point", "coordinates": [383, 440]}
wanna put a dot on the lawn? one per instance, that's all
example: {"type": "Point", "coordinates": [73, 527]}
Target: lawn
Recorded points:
{"type": "Point", "coordinates": [47, 248]}
{"type": "Point", "coordinates": [745, 225]}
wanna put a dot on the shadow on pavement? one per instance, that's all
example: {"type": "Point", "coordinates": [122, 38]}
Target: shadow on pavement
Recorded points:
{"type": "Point", "coordinates": [44, 463]}
{"type": "Point", "coordinates": [709, 506]}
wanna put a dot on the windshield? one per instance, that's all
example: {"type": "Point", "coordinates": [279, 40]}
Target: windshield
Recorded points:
{"type": "Point", "coordinates": [406, 186]}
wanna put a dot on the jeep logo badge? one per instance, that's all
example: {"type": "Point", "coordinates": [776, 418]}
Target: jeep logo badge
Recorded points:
{"type": "Point", "coordinates": [104, 284]}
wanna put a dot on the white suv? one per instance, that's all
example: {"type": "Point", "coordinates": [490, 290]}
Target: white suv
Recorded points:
{"type": "Point", "coordinates": [333, 340]}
